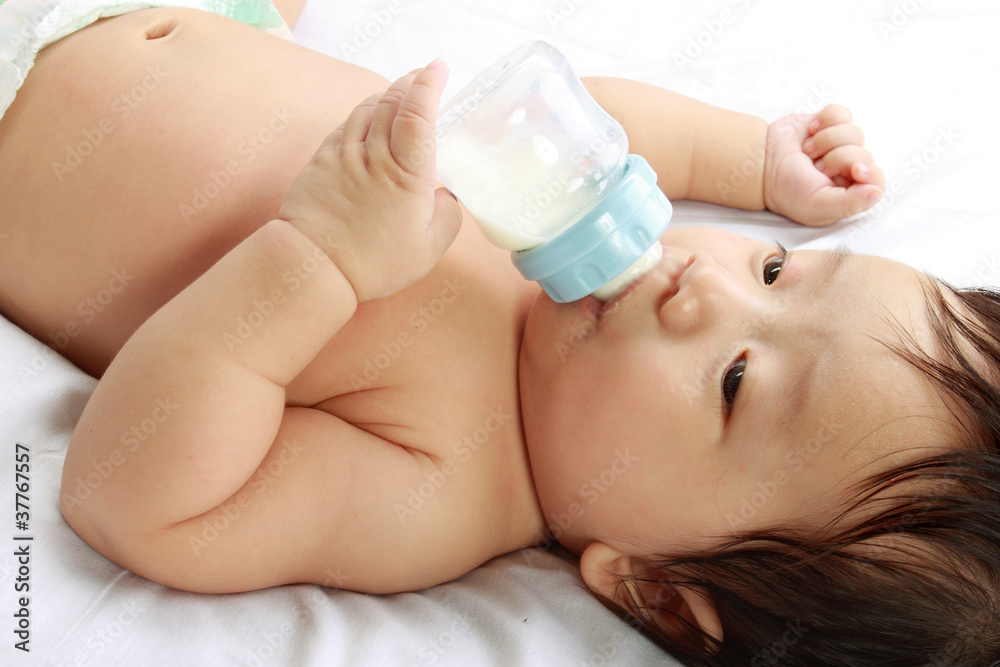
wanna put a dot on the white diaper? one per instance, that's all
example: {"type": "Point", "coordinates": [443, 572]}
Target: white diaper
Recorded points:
{"type": "Point", "coordinates": [28, 26]}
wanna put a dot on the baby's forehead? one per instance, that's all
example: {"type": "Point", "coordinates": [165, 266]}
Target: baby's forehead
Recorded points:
{"type": "Point", "coordinates": [880, 297]}
{"type": "Point", "coordinates": [869, 406]}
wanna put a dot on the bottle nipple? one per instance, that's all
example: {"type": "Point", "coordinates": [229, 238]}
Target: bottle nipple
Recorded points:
{"type": "Point", "coordinates": [608, 248]}
{"type": "Point", "coordinates": [649, 259]}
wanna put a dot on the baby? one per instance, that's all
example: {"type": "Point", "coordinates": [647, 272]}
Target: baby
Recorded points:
{"type": "Point", "coordinates": [325, 373]}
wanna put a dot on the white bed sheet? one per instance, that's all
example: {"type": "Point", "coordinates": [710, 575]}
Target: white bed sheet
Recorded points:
{"type": "Point", "coordinates": [922, 80]}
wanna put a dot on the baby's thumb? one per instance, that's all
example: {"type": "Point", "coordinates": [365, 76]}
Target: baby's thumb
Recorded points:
{"type": "Point", "coordinates": [447, 219]}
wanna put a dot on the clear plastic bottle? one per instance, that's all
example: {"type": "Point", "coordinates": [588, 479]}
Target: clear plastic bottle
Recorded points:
{"type": "Point", "coordinates": [546, 173]}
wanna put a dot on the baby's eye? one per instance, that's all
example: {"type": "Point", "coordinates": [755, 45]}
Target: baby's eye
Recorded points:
{"type": "Point", "coordinates": [774, 264]}
{"type": "Point", "coordinates": [731, 382]}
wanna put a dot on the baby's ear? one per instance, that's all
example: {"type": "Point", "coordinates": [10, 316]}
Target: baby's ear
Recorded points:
{"type": "Point", "coordinates": [604, 568]}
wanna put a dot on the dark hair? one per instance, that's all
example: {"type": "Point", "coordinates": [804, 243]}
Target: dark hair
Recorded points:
{"type": "Point", "coordinates": [915, 582]}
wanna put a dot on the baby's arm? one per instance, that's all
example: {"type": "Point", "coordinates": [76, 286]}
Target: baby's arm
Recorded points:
{"type": "Point", "coordinates": [688, 143]}
{"type": "Point", "coordinates": [723, 157]}
{"type": "Point", "coordinates": [213, 483]}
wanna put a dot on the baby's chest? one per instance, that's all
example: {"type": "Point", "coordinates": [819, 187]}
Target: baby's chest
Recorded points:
{"type": "Point", "coordinates": [434, 366]}
{"type": "Point", "coordinates": [434, 369]}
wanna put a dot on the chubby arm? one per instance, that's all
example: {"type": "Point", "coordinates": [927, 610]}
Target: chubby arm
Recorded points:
{"type": "Point", "coordinates": [216, 366]}
{"type": "Point", "coordinates": [812, 168]}
{"type": "Point", "coordinates": [692, 146]}
{"type": "Point", "coordinates": [188, 468]}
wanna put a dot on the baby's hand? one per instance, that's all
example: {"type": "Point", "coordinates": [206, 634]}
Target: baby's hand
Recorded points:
{"type": "Point", "coordinates": [816, 170]}
{"type": "Point", "coordinates": [368, 196]}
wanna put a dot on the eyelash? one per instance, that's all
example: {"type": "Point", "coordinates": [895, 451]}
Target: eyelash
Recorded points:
{"type": "Point", "coordinates": [734, 374]}
{"type": "Point", "coordinates": [780, 258]}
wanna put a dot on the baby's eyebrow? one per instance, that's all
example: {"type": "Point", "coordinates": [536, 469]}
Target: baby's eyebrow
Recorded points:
{"type": "Point", "coordinates": [826, 273]}
{"type": "Point", "coordinates": [796, 394]}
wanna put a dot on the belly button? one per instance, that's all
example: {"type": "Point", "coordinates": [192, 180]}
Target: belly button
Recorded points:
{"type": "Point", "coordinates": [160, 30]}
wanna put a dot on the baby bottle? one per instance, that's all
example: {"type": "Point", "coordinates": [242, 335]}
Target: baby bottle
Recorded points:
{"type": "Point", "coordinates": [546, 173]}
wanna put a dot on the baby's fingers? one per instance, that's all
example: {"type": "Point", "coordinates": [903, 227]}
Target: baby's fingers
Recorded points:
{"type": "Point", "coordinates": [824, 141]}
{"type": "Point", "coordinates": [387, 107]}
{"type": "Point", "coordinates": [830, 115]}
{"type": "Point", "coordinates": [853, 163]}
{"type": "Point", "coordinates": [412, 139]}
{"type": "Point", "coordinates": [355, 128]}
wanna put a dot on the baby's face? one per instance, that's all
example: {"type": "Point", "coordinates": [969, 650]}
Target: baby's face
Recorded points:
{"type": "Point", "coordinates": [727, 390]}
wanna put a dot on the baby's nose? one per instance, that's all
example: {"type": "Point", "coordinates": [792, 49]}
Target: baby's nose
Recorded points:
{"type": "Point", "coordinates": [707, 294]}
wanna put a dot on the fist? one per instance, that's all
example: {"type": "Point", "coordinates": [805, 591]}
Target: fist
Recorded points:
{"type": "Point", "coordinates": [816, 169]}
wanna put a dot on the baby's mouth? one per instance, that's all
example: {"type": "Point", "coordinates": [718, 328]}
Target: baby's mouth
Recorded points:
{"type": "Point", "coordinates": [663, 280]}
{"type": "Point", "coordinates": [612, 304]}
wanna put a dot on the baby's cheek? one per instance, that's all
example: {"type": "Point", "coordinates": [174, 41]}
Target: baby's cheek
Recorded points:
{"type": "Point", "coordinates": [792, 272]}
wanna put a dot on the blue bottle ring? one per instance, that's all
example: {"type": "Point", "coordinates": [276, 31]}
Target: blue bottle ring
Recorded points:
{"type": "Point", "coordinates": [604, 242]}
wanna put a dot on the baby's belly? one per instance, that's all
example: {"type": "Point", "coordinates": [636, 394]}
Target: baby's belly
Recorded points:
{"type": "Point", "coordinates": [129, 165]}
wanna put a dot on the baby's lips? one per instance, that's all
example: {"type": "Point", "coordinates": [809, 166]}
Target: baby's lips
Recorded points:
{"type": "Point", "coordinates": [672, 266]}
